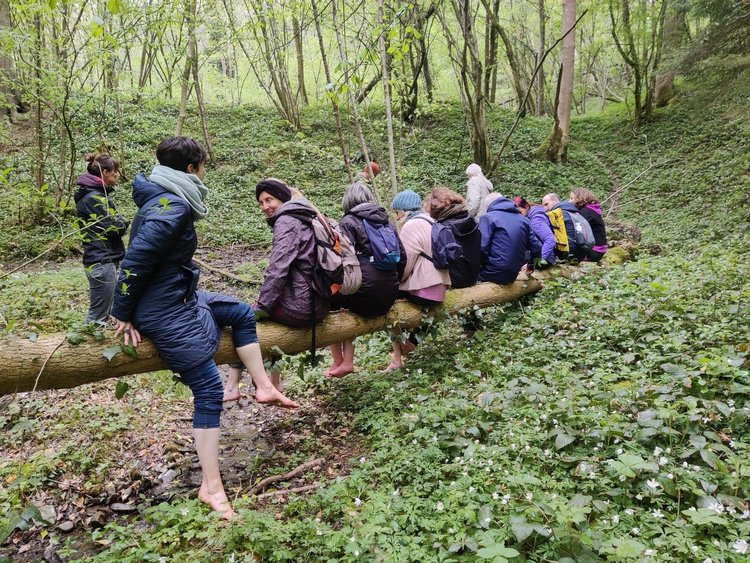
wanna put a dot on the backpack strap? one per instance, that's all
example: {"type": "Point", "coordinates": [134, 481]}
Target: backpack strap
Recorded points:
{"type": "Point", "coordinates": [431, 222]}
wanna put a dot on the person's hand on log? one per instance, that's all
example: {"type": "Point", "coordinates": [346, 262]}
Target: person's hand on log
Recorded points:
{"type": "Point", "coordinates": [130, 333]}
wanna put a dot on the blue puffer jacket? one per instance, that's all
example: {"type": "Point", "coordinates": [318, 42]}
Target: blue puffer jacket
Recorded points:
{"type": "Point", "coordinates": [543, 230]}
{"type": "Point", "coordinates": [156, 288]}
{"type": "Point", "coordinates": [507, 241]}
{"type": "Point", "coordinates": [570, 229]}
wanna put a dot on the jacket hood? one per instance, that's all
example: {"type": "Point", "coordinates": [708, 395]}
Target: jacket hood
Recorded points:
{"type": "Point", "coordinates": [595, 207]}
{"type": "Point", "coordinates": [88, 183]}
{"type": "Point", "coordinates": [372, 212]}
{"type": "Point", "coordinates": [300, 207]}
{"type": "Point", "coordinates": [536, 210]}
{"type": "Point", "coordinates": [144, 190]}
{"type": "Point", "coordinates": [461, 224]}
{"type": "Point", "coordinates": [566, 206]}
{"type": "Point", "coordinates": [503, 204]}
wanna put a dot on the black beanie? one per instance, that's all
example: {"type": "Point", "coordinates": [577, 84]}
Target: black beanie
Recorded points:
{"type": "Point", "coordinates": [276, 188]}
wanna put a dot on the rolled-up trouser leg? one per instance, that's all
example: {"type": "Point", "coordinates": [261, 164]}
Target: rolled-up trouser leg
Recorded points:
{"type": "Point", "coordinates": [208, 393]}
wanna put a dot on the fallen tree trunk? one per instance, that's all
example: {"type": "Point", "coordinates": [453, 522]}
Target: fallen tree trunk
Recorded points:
{"type": "Point", "coordinates": [52, 362]}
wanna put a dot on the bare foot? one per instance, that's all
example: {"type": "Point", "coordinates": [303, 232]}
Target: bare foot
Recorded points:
{"type": "Point", "coordinates": [393, 366]}
{"type": "Point", "coordinates": [217, 501]}
{"type": "Point", "coordinates": [340, 371]}
{"type": "Point", "coordinates": [274, 397]}
{"type": "Point", "coordinates": [231, 395]}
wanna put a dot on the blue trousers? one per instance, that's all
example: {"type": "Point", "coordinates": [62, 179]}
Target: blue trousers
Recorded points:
{"type": "Point", "coordinates": [204, 380]}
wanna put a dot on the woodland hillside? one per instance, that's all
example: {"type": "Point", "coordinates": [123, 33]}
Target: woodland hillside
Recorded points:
{"type": "Point", "coordinates": [604, 418]}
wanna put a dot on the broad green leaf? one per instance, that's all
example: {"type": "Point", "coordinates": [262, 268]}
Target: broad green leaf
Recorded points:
{"type": "Point", "coordinates": [120, 389]}
{"type": "Point", "coordinates": [498, 552]}
{"type": "Point", "coordinates": [563, 440]}
{"type": "Point", "coordinates": [111, 352]}
{"type": "Point", "coordinates": [521, 528]}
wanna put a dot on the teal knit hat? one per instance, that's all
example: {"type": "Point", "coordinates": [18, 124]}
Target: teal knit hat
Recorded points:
{"type": "Point", "coordinates": [408, 200]}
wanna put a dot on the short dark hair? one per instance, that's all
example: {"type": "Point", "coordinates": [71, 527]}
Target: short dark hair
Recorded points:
{"type": "Point", "coordinates": [179, 152]}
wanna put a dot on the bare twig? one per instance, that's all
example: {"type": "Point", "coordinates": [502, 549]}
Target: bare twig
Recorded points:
{"type": "Point", "coordinates": [286, 476]}
{"type": "Point", "coordinates": [225, 273]}
{"type": "Point", "coordinates": [44, 365]}
{"type": "Point", "coordinates": [289, 491]}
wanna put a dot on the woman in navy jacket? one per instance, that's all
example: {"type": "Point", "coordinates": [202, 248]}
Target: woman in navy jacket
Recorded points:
{"type": "Point", "coordinates": [507, 241]}
{"type": "Point", "coordinates": [157, 296]}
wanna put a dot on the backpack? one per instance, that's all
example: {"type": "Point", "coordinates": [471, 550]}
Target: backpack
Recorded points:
{"type": "Point", "coordinates": [445, 248]}
{"type": "Point", "coordinates": [383, 239]}
{"type": "Point", "coordinates": [584, 234]}
{"type": "Point", "coordinates": [336, 265]}
{"type": "Point", "coordinates": [557, 222]}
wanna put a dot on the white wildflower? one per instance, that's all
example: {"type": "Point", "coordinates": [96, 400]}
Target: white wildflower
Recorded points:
{"type": "Point", "coordinates": [357, 501]}
{"type": "Point", "coordinates": [440, 506]}
{"type": "Point", "coordinates": [652, 484]}
{"type": "Point", "coordinates": [649, 553]}
{"type": "Point", "coordinates": [619, 451]}
{"type": "Point", "coordinates": [356, 553]}
{"type": "Point", "coordinates": [362, 459]}
{"type": "Point", "coordinates": [740, 546]}
{"type": "Point", "coordinates": [657, 451]}
{"type": "Point", "coordinates": [529, 496]}
{"type": "Point", "coordinates": [616, 519]}
{"type": "Point", "coordinates": [318, 532]}
{"type": "Point", "coordinates": [629, 511]}
{"type": "Point", "coordinates": [635, 531]}
{"type": "Point", "coordinates": [663, 460]}
{"type": "Point", "coordinates": [495, 496]}
{"type": "Point", "coordinates": [656, 513]}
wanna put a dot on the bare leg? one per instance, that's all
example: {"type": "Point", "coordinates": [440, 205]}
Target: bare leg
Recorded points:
{"type": "Point", "coordinates": [397, 358]}
{"type": "Point", "coordinates": [232, 388]}
{"type": "Point", "coordinates": [338, 357]}
{"type": "Point", "coordinates": [212, 489]}
{"type": "Point", "coordinates": [347, 360]}
{"type": "Point", "coordinates": [265, 392]}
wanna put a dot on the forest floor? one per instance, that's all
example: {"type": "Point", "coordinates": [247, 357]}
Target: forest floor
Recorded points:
{"type": "Point", "coordinates": [157, 462]}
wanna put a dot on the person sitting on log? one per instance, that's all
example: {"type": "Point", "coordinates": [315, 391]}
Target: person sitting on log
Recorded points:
{"type": "Point", "coordinates": [541, 227]}
{"type": "Point", "coordinates": [158, 298]}
{"type": "Point", "coordinates": [507, 242]}
{"type": "Point", "coordinates": [590, 209]}
{"type": "Point", "coordinates": [103, 229]}
{"type": "Point", "coordinates": [421, 283]}
{"type": "Point", "coordinates": [559, 213]}
{"type": "Point", "coordinates": [449, 208]}
{"type": "Point", "coordinates": [286, 295]}
{"type": "Point", "coordinates": [366, 223]}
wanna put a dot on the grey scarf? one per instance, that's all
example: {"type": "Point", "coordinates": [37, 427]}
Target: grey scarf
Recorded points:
{"type": "Point", "coordinates": [188, 186]}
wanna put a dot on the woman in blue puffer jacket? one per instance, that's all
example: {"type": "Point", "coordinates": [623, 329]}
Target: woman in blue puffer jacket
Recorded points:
{"type": "Point", "coordinates": [507, 242]}
{"type": "Point", "coordinates": [157, 296]}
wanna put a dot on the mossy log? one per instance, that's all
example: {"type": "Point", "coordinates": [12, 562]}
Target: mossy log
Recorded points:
{"type": "Point", "coordinates": [52, 362]}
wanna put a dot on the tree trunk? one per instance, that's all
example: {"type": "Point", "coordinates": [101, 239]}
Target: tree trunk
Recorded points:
{"type": "Point", "coordinates": [301, 90]}
{"type": "Point", "coordinates": [566, 79]}
{"type": "Point", "coordinates": [201, 105]}
{"type": "Point", "coordinates": [51, 362]}
{"type": "Point", "coordinates": [387, 99]}
{"type": "Point", "coordinates": [540, 53]}
{"type": "Point", "coordinates": [332, 94]}
{"type": "Point", "coordinates": [7, 70]}
{"type": "Point", "coordinates": [191, 6]}
{"type": "Point", "coordinates": [340, 33]}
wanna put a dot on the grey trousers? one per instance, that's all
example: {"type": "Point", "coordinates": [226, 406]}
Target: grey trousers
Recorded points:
{"type": "Point", "coordinates": [102, 279]}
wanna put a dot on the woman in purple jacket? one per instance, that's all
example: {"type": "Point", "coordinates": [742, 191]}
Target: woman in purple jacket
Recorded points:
{"type": "Point", "coordinates": [590, 209]}
{"type": "Point", "coordinates": [540, 226]}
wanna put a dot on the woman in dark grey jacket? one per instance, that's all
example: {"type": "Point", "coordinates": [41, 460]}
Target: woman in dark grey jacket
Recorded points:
{"type": "Point", "coordinates": [379, 287]}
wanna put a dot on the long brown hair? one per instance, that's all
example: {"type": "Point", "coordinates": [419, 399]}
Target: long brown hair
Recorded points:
{"type": "Point", "coordinates": [583, 197]}
{"type": "Point", "coordinates": [443, 202]}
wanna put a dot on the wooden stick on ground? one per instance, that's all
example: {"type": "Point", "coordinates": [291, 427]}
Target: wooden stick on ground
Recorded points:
{"type": "Point", "coordinates": [289, 491]}
{"type": "Point", "coordinates": [286, 476]}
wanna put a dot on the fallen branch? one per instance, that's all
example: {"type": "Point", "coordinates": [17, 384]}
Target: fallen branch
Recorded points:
{"type": "Point", "coordinates": [225, 273]}
{"type": "Point", "coordinates": [289, 491]}
{"type": "Point", "coordinates": [70, 365]}
{"type": "Point", "coordinates": [286, 476]}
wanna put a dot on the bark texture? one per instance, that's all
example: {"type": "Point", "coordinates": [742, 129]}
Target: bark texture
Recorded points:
{"type": "Point", "coordinates": [51, 362]}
